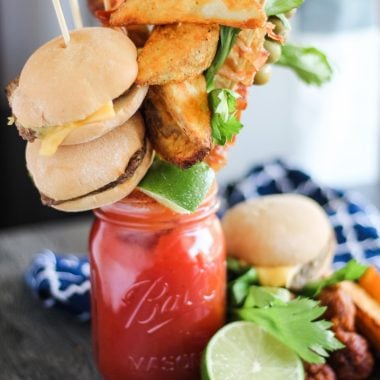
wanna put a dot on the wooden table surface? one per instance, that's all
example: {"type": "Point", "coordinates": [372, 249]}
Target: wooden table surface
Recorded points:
{"type": "Point", "coordinates": [36, 343]}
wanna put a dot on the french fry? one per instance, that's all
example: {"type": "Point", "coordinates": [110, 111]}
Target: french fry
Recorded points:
{"type": "Point", "coordinates": [367, 314]}
{"type": "Point", "coordinates": [371, 283]}
{"type": "Point", "coordinates": [236, 13]}
{"type": "Point", "coordinates": [174, 53]}
{"type": "Point", "coordinates": [177, 119]}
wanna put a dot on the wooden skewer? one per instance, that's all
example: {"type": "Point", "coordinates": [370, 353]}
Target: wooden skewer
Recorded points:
{"type": "Point", "coordinates": [75, 10]}
{"type": "Point", "coordinates": [107, 4]}
{"type": "Point", "coordinates": [62, 21]}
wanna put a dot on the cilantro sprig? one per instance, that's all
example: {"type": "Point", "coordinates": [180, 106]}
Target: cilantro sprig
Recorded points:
{"type": "Point", "coordinates": [295, 323]}
{"type": "Point", "coordinates": [227, 40]}
{"type": "Point", "coordinates": [275, 7]}
{"type": "Point", "coordinates": [224, 123]}
{"type": "Point", "coordinates": [352, 271]}
{"type": "Point", "coordinates": [310, 64]}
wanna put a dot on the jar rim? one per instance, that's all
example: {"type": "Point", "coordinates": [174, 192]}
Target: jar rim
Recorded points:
{"type": "Point", "coordinates": [139, 209]}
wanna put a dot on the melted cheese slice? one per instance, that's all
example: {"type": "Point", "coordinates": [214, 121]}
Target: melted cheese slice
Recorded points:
{"type": "Point", "coordinates": [278, 276]}
{"type": "Point", "coordinates": [54, 136]}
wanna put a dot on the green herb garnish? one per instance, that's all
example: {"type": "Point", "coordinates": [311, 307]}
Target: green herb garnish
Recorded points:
{"type": "Point", "coordinates": [309, 63]}
{"type": "Point", "coordinates": [227, 39]}
{"type": "Point", "coordinates": [275, 7]}
{"type": "Point", "coordinates": [352, 271]}
{"type": "Point", "coordinates": [238, 289]}
{"type": "Point", "coordinates": [295, 324]}
{"type": "Point", "coordinates": [224, 123]}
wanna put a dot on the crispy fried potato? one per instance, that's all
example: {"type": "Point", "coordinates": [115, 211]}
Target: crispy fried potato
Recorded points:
{"type": "Point", "coordinates": [177, 52]}
{"type": "Point", "coordinates": [371, 283]}
{"type": "Point", "coordinates": [237, 13]}
{"type": "Point", "coordinates": [177, 118]}
{"type": "Point", "coordinates": [367, 313]}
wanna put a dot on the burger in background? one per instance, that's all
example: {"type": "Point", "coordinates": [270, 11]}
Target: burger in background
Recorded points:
{"type": "Point", "coordinates": [287, 238]}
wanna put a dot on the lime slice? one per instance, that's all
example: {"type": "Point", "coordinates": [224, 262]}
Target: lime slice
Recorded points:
{"type": "Point", "coordinates": [244, 351]}
{"type": "Point", "coordinates": [180, 190]}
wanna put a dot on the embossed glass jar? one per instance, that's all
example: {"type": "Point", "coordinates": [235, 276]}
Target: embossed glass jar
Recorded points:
{"type": "Point", "coordinates": [158, 288]}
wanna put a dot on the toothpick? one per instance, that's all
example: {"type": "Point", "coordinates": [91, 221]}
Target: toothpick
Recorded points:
{"type": "Point", "coordinates": [107, 4]}
{"type": "Point", "coordinates": [75, 10]}
{"type": "Point", "coordinates": [61, 21]}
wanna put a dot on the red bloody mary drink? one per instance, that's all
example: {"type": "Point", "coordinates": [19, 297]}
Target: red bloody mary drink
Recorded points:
{"type": "Point", "coordinates": [158, 288]}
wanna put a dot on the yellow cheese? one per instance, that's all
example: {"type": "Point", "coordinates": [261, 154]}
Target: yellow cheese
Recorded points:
{"type": "Point", "coordinates": [277, 276]}
{"type": "Point", "coordinates": [54, 136]}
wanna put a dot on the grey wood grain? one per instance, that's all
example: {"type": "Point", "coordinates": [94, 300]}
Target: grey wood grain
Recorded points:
{"type": "Point", "coordinates": [36, 343]}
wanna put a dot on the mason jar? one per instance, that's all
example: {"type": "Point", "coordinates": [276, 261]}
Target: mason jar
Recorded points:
{"type": "Point", "coordinates": [158, 283]}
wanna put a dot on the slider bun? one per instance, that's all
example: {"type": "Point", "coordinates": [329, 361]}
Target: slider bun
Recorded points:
{"type": "Point", "coordinates": [112, 195]}
{"type": "Point", "coordinates": [60, 84]}
{"type": "Point", "coordinates": [76, 170]}
{"type": "Point", "coordinates": [278, 230]}
{"type": "Point", "coordinates": [125, 107]}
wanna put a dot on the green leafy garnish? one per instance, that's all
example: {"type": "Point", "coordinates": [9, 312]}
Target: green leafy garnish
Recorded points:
{"type": "Point", "coordinates": [227, 39]}
{"type": "Point", "coordinates": [236, 268]}
{"type": "Point", "coordinates": [263, 296]}
{"type": "Point", "coordinates": [224, 123]}
{"type": "Point", "coordinates": [309, 63]}
{"type": "Point", "coordinates": [275, 7]}
{"type": "Point", "coordinates": [295, 324]}
{"type": "Point", "coordinates": [352, 271]}
{"type": "Point", "coordinates": [238, 289]}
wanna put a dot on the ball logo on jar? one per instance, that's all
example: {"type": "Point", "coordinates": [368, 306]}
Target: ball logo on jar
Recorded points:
{"type": "Point", "coordinates": [151, 303]}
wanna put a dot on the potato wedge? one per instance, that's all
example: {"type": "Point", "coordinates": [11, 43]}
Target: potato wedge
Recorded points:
{"type": "Point", "coordinates": [237, 13]}
{"type": "Point", "coordinates": [367, 313]}
{"type": "Point", "coordinates": [371, 283]}
{"type": "Point", "coordinates": [177, 119]}
{"type": "Point", "coordinates": [174, 53]}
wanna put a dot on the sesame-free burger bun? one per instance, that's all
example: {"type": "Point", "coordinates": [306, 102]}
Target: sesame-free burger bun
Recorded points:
{"type": "Point", "coordinates": [86, 176]}
{"type": "Point", "coordinates": [278, 231]}
{"type": "Point", "coordinates": [125, 107]}
{"type": "Point", "coordinates": [62, 84]}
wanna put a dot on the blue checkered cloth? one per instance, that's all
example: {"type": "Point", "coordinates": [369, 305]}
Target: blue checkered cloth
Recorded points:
{"type": "Point", "coordinates": [63, 281]}
{"type": "Point", "coordinates": [355, 220]}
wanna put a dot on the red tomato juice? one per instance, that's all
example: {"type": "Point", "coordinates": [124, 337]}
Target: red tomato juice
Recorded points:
{"type": "Point", "coordinates": [158, 290]}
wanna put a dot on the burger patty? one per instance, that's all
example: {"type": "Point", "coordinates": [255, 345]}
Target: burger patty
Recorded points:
{"type": "Point", "coordinates": [26, 133]}
{"type": "Point", "coordinates": [130, 170]}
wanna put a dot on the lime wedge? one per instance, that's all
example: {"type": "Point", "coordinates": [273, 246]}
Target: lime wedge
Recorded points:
{"type": "Point", "coordinates": [244, 351]}
{"type": "Point", "coordinates": [180, 190]}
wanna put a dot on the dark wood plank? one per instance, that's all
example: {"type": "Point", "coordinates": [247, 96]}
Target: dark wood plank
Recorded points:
{"type": "Point", "coordinates": [36, 343]}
